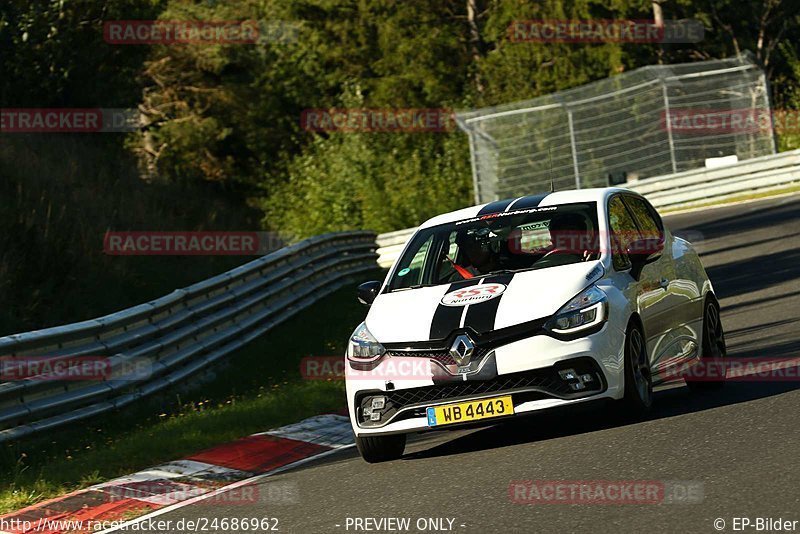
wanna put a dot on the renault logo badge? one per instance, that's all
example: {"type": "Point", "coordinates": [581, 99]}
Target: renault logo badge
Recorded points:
{"type": "Point", "coordinates": [462, 350]}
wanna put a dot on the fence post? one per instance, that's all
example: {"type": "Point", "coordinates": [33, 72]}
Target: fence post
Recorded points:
{"type": "Point", "coordinates": [574, 148]}
{"type": "Point", "coordinates": [768, 103]}
{"type": "Point", "coordinates": [476, 184]}
{"type": "Point", "coordinates": [669, 126]}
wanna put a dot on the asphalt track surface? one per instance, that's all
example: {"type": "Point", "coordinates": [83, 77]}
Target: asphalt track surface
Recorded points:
{"type": "Point", "coordinates": [740, 444]}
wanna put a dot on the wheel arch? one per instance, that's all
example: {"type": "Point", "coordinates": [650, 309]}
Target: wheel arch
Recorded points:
{"type": "Point", "coordinates": [637, 319]}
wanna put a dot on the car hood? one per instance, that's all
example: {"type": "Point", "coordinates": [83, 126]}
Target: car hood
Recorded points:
{"type": "Point", "coordinates": [482, 304]}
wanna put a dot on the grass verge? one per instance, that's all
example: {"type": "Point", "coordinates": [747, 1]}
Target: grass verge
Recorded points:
{"type": "Point", "coordinates": [738, 198]}
{"type": "Point", "coordinates": [176, 436]}
{"type": "Point", "coordinates": [259, 388]}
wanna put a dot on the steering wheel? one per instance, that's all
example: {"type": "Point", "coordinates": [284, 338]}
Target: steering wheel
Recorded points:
{"type": "Point", "coordinates": [548, 259]}
{"type": "Point", "coordinates": [549, 253]}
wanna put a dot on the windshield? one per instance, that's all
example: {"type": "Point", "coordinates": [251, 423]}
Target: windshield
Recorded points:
{"type": "Point", "coordinates": [532, 238]}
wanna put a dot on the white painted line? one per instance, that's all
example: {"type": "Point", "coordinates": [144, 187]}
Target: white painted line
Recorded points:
{"type": "Point", "coordinates": [176, 469]}
{"type": "Point", "coordinates": [172, 493]}
{"type": "Point", "coordinates": [666, 386]}
{"type": "Point", "coordinates": [756, 367]}
{"type": "Point", "coordinates": [126, 525]}
{"type": "Point", "coordinates": [330, 430]}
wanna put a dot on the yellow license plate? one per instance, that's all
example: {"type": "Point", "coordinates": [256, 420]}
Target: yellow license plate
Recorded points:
{"type": "Point", "coordinates": [469, 411]}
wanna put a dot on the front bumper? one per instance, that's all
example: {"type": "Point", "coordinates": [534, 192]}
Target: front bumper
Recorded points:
{"type": "Point", "coordinates": [529, 369]}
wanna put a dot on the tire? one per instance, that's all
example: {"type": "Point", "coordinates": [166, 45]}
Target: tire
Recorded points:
{"type": "Point", "coordinates": [714, 350]}
{"type": "Point", "coordinates": [376, 449]}
{"type": "Point", "coordinates": [638, 398]}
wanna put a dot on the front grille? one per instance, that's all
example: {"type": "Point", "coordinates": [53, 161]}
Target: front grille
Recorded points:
{"type": "Point", "coordinates": [441, 356]}
{"type": "Point", "coordinates": [543, 379]}
{"type": "Point", "coordinates": [523, 386]}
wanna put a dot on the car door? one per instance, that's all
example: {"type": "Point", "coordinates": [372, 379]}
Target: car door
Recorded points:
{"type": "Point", "coordinates": [648, 292]}
{"type": "Point", "coordinates": [682, 292]}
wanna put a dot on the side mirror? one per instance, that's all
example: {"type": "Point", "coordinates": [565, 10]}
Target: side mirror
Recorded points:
{"type": "Point", "coordinates": [368, 291]}
{"type": "Point", "coordinates": [644, 251]}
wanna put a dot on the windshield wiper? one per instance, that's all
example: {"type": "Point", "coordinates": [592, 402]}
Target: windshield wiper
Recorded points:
{"type": "Point", "coordinates": [501, 271]}
{"type": "Point", "coordinates": [417, 286]}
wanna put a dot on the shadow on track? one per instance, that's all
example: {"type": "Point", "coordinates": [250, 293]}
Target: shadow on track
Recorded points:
{"type": "Point", "coordinates": [758, 272]}
{"type": "Point", "coordinates": [738, 221]}
{"type": "Point", "coordinates": [599, 416]}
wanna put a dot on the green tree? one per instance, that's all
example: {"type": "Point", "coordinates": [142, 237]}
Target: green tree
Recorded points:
{"type": "Point", "coordinates": [52, 53]}
{"type": "Point", "coordinates": [379, 181]}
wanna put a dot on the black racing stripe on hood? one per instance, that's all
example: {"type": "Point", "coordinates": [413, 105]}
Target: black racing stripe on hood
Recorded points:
{"type": "Point", "coordinates": [531, 201]}
{"type": "Point", "coordinates": [480, 317]}
{"type": "Point", "coordinates": [448, 318]}
{"type": "Point", "coordinates": [495, 207]}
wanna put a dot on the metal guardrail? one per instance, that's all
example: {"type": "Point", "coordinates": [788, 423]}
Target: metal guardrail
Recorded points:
{"type": "Point", "coordinates": [162, 342]}
{"type": "Point", "coordinates": [391, 244]}
{"type": "Point", "coordinates": [681, 190]}
{"type": "Point", "coordinates": [688, 188]}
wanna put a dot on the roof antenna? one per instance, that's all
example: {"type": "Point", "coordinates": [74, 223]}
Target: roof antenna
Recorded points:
{"type": "Point", "coordinates": [552, 188]}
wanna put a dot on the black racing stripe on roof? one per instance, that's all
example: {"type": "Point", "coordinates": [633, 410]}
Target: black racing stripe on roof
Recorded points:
{"type": "Point", "coordinates": [530, 201]}
{"type": "Point", "coordinates": [448, 318]}
{"type": "Point", "coordinates": [480, 317]}
{"type": "Point", "coordinates": [496, 207]}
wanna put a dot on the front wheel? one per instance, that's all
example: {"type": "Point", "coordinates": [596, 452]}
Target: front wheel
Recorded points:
{"type": "Point", "coordinates": [376, 449]}
{"type": "Point", "coordinates": [638, 397]}
{"type": "Point", "coordinates": [714, 350]}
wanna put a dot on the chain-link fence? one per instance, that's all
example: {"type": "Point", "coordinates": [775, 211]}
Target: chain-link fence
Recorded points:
{"type": "Point", "coordinates": [652, 121]}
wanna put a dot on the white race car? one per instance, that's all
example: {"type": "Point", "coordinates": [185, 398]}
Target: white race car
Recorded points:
{"type": "Point", "coordinates": [525, 304]}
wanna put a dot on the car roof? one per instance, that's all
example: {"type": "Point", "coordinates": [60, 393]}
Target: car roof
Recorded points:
{"type": "Point", "coordinates": [599, 195]}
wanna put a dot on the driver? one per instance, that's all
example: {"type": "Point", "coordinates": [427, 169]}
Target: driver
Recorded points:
{"type": "Point", "coordinates": [476, 253]}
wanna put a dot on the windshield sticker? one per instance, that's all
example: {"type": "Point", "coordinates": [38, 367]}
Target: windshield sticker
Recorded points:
{"type": "Point", "coordinates": [404, 272]}
{"type": "Point", "coordinates": [506, 214]}
{"type": "Point", "coordinates": [473, 295]}
{"type": "Point", "coordinates": [535, 226]}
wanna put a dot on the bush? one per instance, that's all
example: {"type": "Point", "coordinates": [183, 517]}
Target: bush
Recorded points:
{"type": "Point", "coordinates": [378, 181]}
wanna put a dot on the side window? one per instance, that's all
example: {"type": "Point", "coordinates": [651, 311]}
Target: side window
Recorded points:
{"type": "Point", "coordinates": [644, 216]}
{"type": "Point", "coordinates": [411, 274]}
{"type": "Point", "coordinates": [623, 231]}
{"type": "Point", "coordinates": [444, 270]}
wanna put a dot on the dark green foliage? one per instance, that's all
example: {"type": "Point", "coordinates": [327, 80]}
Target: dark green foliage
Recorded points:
{"type": "Point", "coordinates": [230, 113]}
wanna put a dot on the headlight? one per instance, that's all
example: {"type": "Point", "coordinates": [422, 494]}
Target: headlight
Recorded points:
{"type": "Point", "coordinates": [584, 311]}
{"type": "Point", "coordinates": [363, 347]}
